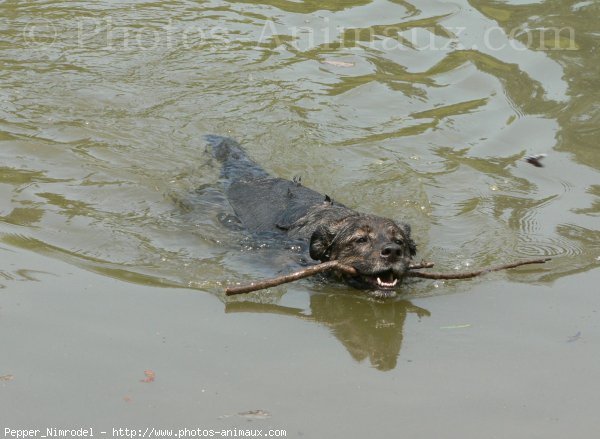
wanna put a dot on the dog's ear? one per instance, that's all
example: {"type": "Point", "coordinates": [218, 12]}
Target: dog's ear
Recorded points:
{"type": "Point", "coordinates": [412, 247]}
{"type": "Point", "coordinates": [320, 243]}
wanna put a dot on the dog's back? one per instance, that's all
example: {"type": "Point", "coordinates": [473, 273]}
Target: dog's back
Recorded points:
{"type": "Point", "coordinates": [236, 165]}
{"type": "Point", "coordinates": [261, 202]}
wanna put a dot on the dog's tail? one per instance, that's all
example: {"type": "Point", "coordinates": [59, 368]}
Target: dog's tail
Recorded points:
{"type": "Point", "coordinates": [236, 163]}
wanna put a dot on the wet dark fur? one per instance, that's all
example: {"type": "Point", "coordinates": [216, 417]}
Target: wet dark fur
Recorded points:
{"type": "Point", "coordinates": [377, 247]}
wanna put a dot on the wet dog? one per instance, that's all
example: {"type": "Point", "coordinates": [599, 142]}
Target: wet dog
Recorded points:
{"type": "Point", "coordinates": [378, 248]}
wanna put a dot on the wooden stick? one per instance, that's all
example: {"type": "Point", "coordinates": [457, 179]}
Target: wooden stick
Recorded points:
{"type": "Point", "coordinates": [420, 265]}
{"type": "Point", "coordinates": [346, 269]}
{"type": "Point", "coordinates": [310, 271]}
{"type": "Point", "coordinates": [469, 274]}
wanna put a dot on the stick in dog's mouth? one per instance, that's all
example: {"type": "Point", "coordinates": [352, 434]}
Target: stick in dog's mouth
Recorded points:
{"type": "Point", "coordinates": [385, 290]}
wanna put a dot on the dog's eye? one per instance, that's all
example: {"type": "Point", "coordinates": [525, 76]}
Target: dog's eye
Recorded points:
{"type": "Point", "coordinates": [361, 240]}
{"type": "Point", "coordinates": [399, 241]}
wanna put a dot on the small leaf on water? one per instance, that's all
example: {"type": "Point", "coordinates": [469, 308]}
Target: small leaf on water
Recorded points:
{"type": "Point", "coordinates": [150, 375]}
{"type": "Point", "coordinates": [535, 160]}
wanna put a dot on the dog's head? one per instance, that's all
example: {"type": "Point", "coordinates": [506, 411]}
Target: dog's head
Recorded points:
{"type": "Point", "coordinates": [378, 248]}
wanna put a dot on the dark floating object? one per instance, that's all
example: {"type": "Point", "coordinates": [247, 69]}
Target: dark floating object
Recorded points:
{"type": "Point", "coordinates": [535, 160]}
{"type": "Point", "coordinates": [335, 265]}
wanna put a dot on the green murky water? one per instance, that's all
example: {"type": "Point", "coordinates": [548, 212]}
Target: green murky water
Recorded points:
{"type": "Point", "coordinates": [422, 111]}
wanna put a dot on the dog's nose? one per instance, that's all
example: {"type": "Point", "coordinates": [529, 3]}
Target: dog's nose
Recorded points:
{"type": "Point", "coordinates": [391, 251]}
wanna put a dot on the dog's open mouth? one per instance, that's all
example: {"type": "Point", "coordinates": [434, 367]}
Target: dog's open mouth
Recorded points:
{"type": "Point", "coordinates": [382, 283]}
{"type": "Point", "coordinates": [385, 280]}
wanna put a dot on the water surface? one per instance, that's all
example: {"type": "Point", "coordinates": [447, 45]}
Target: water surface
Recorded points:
{"type": "Point", "coordinates": [419, 111]}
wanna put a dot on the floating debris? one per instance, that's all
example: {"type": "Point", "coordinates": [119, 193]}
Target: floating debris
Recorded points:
{"type": "Point", "coordinates": [250, 415]}
{"type": "Point", "coordinates": [466, 325]}
{"type": "Point", "coordinates": [255, 414]}
{"type": "Point", "coordinates": [7, 377]}
{"type": "Point", "coordinates": [535, 160]}
{"type": "Point", "coordinates": [150, 376]}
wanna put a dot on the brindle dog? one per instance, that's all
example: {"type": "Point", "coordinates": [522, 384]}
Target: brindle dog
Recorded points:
{"type": "Point", "coordinates": [378, 248]}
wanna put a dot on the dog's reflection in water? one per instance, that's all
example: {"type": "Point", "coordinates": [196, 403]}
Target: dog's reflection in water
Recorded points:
{"type": "Point", "coordinates": [367, 328]}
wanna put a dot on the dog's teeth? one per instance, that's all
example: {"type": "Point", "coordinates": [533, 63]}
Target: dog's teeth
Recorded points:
{"type": "Point", "coordinates": [386, 284]}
